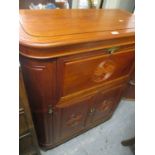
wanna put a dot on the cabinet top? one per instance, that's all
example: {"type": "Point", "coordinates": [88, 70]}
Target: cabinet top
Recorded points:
{"type": "Point", "coordinates": [50, 28]}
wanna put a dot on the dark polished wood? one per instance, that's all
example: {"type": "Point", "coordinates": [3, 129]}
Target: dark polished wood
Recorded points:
{"type": "Point", "coordinates": [75, 68]}
{"type": "Point", "coordinates": [28, 144]}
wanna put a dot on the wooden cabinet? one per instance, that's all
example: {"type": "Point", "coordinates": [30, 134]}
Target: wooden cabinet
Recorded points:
{"type": "Point", "coordinates": [74, 74]}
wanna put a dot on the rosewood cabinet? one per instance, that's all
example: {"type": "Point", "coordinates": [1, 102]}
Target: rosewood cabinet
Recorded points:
{"type": "Point", "coordinates": [75, 68]}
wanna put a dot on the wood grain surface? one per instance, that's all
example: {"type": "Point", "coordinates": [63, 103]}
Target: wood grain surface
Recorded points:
{"type": "Point", "coordinates": [60, 27]}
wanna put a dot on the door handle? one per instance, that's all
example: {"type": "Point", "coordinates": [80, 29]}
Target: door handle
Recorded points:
{"type": "Point", "coordinates": [112, 50]}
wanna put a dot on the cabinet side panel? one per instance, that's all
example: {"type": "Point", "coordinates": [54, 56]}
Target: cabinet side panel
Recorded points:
{"type": "Point", "coordinates": [39, 78]}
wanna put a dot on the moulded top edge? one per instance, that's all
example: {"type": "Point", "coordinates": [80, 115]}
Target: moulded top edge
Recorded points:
{"type": "Point", "coordinates": [50, 26]}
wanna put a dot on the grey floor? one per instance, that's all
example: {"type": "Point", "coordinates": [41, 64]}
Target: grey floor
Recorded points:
{"type": "Point", "coordinates": [104, 139]}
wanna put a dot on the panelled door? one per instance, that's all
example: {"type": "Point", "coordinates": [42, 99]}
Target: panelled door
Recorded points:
{"type": "Point", "coordinates": [71, 117]}
{"type": "Point", "coordinates": [105, 104]}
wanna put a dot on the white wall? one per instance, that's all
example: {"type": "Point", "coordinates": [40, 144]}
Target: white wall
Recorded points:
{"type": "Point", "coordinates": [74, 4]}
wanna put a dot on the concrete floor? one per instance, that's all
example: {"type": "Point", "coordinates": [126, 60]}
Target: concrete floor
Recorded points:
{"type": "Point", "coordinates": [104, 139]}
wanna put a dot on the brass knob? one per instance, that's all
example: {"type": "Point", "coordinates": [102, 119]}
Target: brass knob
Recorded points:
{"type": "Point", "coordinates": [50, 111]}
{"type": "Point", "coordinates": [132, 82]}
{"type": "Point", "coordinates": [112, 50]}
{"type": "Point", "coordinates": [92, 110]}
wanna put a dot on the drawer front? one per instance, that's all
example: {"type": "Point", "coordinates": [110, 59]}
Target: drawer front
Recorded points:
{"type": "Point", "coordinates": [72, 117]}
{"type": "Point", "coordinates": [106, 103]}
{"type": "Point", "coordinates": [23, 125]}
{"type": "Point", "coordinates": [26, 145]}
{"type": "Point", "coordinates": [86, 72]}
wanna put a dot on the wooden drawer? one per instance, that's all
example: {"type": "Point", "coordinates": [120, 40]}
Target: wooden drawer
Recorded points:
{"type": "Point", "coordinates": [26, 145]}
{"type": "Point", "coordinates": [23, 125]}
{"type": "Point", "coordinates": [85, 72]}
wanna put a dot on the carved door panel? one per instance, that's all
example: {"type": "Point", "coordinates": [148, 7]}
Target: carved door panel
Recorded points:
{"type": "Point", "coordinates": [106, 103]}
{"type": "Point", "coordinates": [71, 118]}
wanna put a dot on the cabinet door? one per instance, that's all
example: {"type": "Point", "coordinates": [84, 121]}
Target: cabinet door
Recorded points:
{"type": "Point", "coordinates": [71, 118]}
{"type": "Point", "coordinates": [105, 104]}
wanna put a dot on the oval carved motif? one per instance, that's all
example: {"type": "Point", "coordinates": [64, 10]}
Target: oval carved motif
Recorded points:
{"type": "Point", "coordinates": [105, 106]}
{"type": "Point", "coordinates": [74, 120]}
{"type": "Point", "coordinates": [104, 71]}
